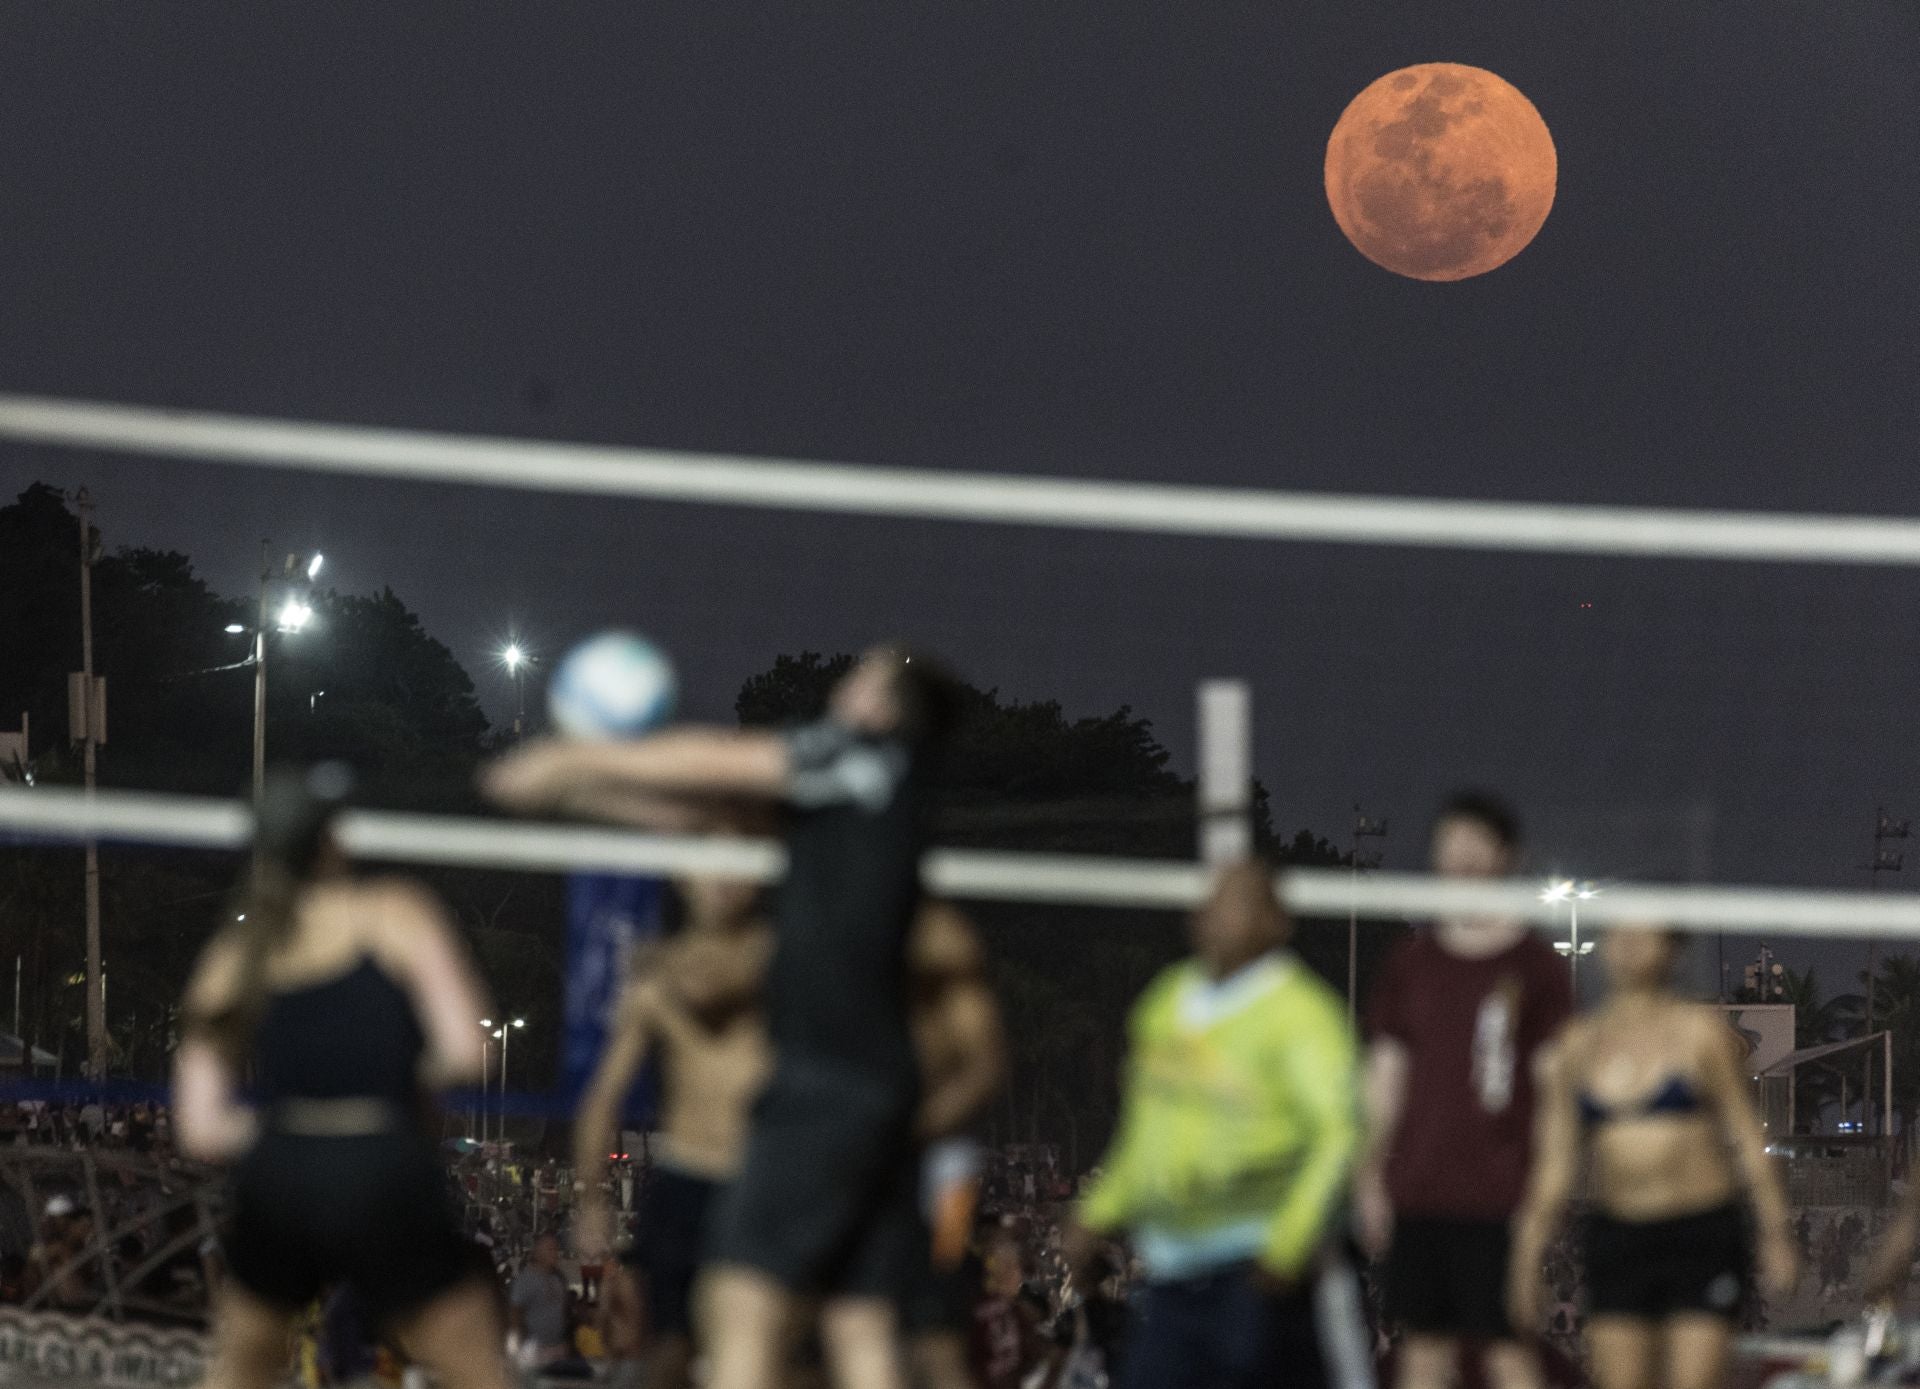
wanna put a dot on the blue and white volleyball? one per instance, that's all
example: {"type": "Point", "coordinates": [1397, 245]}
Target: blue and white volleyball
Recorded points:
{"type": "Point", "coordinates": [614, 685]}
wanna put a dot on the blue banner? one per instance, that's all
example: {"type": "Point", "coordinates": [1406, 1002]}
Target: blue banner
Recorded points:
{"type": "Point", "coordinates": [608, 916]}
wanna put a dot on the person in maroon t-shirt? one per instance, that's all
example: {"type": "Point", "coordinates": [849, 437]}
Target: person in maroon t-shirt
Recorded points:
{"type": "Point", "coordinates": [1457, 1023]}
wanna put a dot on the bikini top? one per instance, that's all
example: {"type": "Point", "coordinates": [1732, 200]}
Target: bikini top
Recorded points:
{"type": "Point", "coordinates": [1676, 1096]}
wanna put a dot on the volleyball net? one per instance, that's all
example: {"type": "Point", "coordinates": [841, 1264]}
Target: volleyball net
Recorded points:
{"type": "Point", "coordinates": [1755, 548]}
{"type": "Point", "coordinates": [1795, 576]}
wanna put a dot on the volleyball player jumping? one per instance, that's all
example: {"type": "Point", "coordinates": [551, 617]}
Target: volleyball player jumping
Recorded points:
{"type": "Point", "coordinates": [827, 1200]}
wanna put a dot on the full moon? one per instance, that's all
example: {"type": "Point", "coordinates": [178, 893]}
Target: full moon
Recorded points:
{"type": "Point", "coordinates": [1440, 171]}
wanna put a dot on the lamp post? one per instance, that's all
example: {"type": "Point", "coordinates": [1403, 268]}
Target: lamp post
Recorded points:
{"type": "Point", "coordinates": [1884, 860]}
{"type": "Point", "coordinates": [505, 1034]}
{"type": "Point", "coordinates": [294, 615]}
{"type": "Point", "coordinates": [92, 726]}
{"type": "Point", "coordinates": [516, 658]}
{"type": "Point", "coordinates": [1573, 894]}
{"type": "Point", "coordinates": [485, 1023]}
{"type": "Point", "coordinates": [1364, 827]}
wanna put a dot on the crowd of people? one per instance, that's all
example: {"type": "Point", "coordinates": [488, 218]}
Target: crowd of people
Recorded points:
{"type": "Point", "coordinates": [146, 1248]}
{"type": "Point", "coordinates": [1028, 1174]}
{"type": "Point", "coordinates": [142, 1128]}
{"type": "Point", "coordinates": [520, 1211]}
{"type": "Point", "coordinates": [819, 1203]}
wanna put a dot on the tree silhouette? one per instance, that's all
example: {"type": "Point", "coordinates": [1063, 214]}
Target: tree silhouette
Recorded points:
{"type": "Point", "coordinates": [398, 707]}
{"type": "Point", "coordinates": [793, 690]}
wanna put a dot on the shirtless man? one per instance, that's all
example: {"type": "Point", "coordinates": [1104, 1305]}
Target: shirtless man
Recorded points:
{"type": "Point", "coordinates": [696, 1005]}
{"type": "Point", "coordinates": [956, 1031]}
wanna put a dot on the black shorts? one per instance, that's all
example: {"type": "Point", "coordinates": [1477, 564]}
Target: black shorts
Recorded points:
{"type": "Point", "coordinates": [1656, 1269]}
{"type": "Point", "coordinates": [373, 1211]}
{"type": "Point", "coordinates": [1449, 1278]}
{"type": "Point", "coordinates": [666, 1253]}
{"type": "Point", "coordinates": [828, 1199]}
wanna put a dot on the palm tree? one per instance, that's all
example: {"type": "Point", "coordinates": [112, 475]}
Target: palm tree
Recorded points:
{"type": "Point", "coordinates": [1896, 1009]}
{"type": "Point", "coordinates": [1815, 1021]}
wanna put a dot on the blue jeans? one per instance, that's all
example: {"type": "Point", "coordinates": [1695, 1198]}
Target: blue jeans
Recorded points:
{"type": "Point", "coordinates": [1223, 1330]}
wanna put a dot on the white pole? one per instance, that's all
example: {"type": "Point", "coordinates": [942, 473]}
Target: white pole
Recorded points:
{"type": "Point", "coordinates": [260, 681]}
{"type": "Point", "coordinates": [1226, 771]}
{"type": "Point", "coordinates": [1573, 933]}
{"type": "Point", "coordinates": [485, 1049]}
{"type": "Point", "coordinates": [506, 1036]}
{"type": "Point", "coordinates": [1353, 942]}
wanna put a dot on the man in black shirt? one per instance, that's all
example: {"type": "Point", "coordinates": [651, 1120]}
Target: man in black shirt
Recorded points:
{"type": "Point", "coordinates": [826, 1204]}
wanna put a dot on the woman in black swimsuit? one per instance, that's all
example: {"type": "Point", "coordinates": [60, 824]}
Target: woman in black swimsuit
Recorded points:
{"type": "Point", "coordinates": [1649, 1093]}
{"type": "Point", "coordinates": [348, 1003]}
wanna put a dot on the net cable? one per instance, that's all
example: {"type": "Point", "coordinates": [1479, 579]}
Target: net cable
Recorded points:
{"type": "Point", "coordinates": [64, 815]}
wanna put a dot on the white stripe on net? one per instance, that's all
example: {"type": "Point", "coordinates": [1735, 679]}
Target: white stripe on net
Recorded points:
{"type": "Point", "coordinates": [1061, 879]}
{"type": "Point", "coordinates": [961, 496]}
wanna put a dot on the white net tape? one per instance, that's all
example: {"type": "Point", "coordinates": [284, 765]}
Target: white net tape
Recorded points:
{"type": "Point", "coordinates": [958, 496]}
{"type": "Point", "coordinates": [184, 821]}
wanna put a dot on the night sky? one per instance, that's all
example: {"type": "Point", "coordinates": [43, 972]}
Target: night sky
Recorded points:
{"type": "Point", "coordinates": [1069, 239]}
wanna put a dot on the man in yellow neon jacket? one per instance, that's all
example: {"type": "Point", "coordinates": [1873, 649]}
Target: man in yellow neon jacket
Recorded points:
{"type": "Point", "coordinates": [1238, 1131]}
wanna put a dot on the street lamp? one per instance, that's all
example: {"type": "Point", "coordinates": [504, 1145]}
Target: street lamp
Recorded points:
{"type": "Point", "coordinates": [516, 658]}
{"type": "Point", "coordinates": [505, 1034]}
{"type": "Point", "coordinates": [295, 613]}
{"type": "Point", "coordinates": [1573, 894]}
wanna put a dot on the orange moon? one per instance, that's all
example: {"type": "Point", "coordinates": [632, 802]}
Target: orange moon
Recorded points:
{"type": "Point", "coordinates": [1441, 171]}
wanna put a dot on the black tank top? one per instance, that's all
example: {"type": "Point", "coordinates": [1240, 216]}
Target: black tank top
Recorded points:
{"type": "Point", "coordinates": [836, 988]}
{"type": "Point", "coordinates": [351, 1037]}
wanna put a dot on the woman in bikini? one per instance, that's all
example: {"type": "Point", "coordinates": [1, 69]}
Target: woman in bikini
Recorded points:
{"type": "Point", "coordinates": [1648, 1093]}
